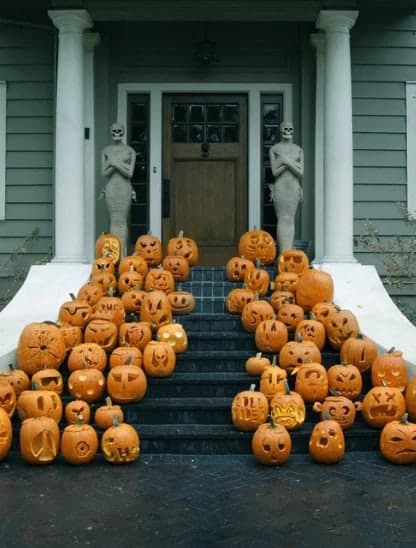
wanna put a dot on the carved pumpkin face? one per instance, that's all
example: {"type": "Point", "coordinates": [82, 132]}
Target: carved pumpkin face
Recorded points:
{"type": "Point", "coordinates": [102, 332]}
{"type": "Point", "coordinates": [7, 397]}
{"type": "Point", "coordinates": [271, 444]}
{"type": "Point", "coordinates": [39, 440]}
{"type": "Point", "coordinates": [389, 369]}
{"type": "Point", "coordinates": [150, 248]}
{"type": "Point", "coordinates": [288, 409]}
{"type": "Point", "coordinates": [87, 355]}
{"type": "Point", "coordinates": [178, 266]}
{"type": "Point", "coordinates": [272, 381]}
{"type": "Point", "coordinates": [255, 365]}
{"type": "Point", "coordinates": [175, 335]}
{"type": "Point", "coordinates": [255, 312]}
{"type": "Point", "coordinates": [126, 355]}
{"type": "Point", "coordinates": [160, 278]}
{"type": "Point", "coordinates": [108, 245]}
{"type": "Point", "coordinates": [75, 312]}
{"type": "Point", "coordinates": [181, 302]}
{"type": "Point", "coordinates": [322, 310]}
{"type": "Point", "coordinates": [133, 262]}
{"type": "Point", "coordinates": [105, 414]}
{"type": "Point", "coordinates": [237, 298]}
{"type": "Point", "coordinates": [271, 336]}
{"type": "Point", "coordinates": [90, 292]}
{"type": "Point", "coordinates": [17, 378]}
{"type": "Point", "coordinates": [314, 286]}
{"type": "Point", "coordinates": [156, 309]}
{"type": "Point", "coordinates": [311, 330]}
{"type": "Point", "coordinates": [345, 380]}
{"type": "Point", "coordinates": [297, 352]}
{"type": "Point", "coordinates": [37, 403]}
{"type": "Point", "coordinates": [129, 280]}
{"type": "Point", "coordinates": [257, 244]}
{"type": "Point", "coordinates": [410, 397]}
{"type": "Point", "coordinates": [184, 246]}
{"type": "Point", "coordinates": [86, 384]}
{"type": "Point", "coordinates": [286, 281]}
{"type": "Point", "coordinates": [79, 443]}
{"type": "Point", "coordinates": [341, 325]}
{"type": "Point", "coordinates": [132, 300]}
{"type": "Point", "coordinates": [40, 345]}
{"type": "Point", "coordinates": [327, 442]}
{"type": "Point", "coordinates": [383, 404]}
{"type": "Point", "coordinates": [293, 260]}
{"type": "Point", "coordinates": [338, 408]}
{"type": "Point", "coordinates": [126, 383]}
{"type": "Point", "coordinates": [73, 335]}
{"type": "Point", "coordinates": [6, 434]}
{"type": "Point", "coordinates": [109, 308]}
{"type": "Point", "coordinates": [120, 444]}
{"type": "Point", "coordinates": [106, 280]}
{"type": "Point", "coordinates": [258, 280]}
{"type": "Point", "coordinates": [136, 334]}
{"type": "Point", "coordinates": [279, 297]}
{"type": "Point", "coordinates": [398, 441]}
{"type": "Point", "coordinates": [49, 379]}
{"type": "Point", "coordinates": [159, 359]}
{"type": "Point", "coordinates": [290, 314]}
{"type": "Point", "coordinates": [75, 408]}
{"type": "Point", "coordinates": [361, 351]}
{"type": "Point", "coordinates": [312, 382]}
{"type": "Point", "coordinates": [249, 409]}
{"type": "Point", "coordinates": [103, 264]}
{"type": "Point", "coordinates": [237, 268]}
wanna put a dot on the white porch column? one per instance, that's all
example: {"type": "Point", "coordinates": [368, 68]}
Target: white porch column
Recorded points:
{"type": "Point", "coordinates": [338, 161]}
{"type": "Point", "coordinates": [69, 145]}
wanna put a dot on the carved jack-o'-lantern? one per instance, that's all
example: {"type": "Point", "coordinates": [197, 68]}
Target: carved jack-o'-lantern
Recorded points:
{"type": "Point", "coordinates": [237, 267]}
{"type": "Point", "coordinates": [313, 330]}
{"type": "Point", "coordinates": [75, 312]}
{"type": "Point", "coordinates": [312, 382]}
{"type": "Point", "coordinates": [297, 352]}
{"type": "Point", "coordinates": [126, 355]}
{"type": "Point", "coordinates": [6, 434]}
{"type": "Point", "coordinates": [288, 409]}
{"type": "Point", "coordinates": [181, 302]}
{"type": "Point", "coordinates": [327, 442]}
{"type": "Point", "coordinates": [86, 355]}
{"type": "Point", "coordinates": [133, 262]}
{"type": "Point", "coordinates": [159, 278]}
{"type": "Point", "coordinates": [279, 297]}
{"type": "Point", "coordinates": [105, 414]}
{"type": "Point", "coordinates": [39, 403]}
{"type": "Point", "coordinates": [271, 444]}
{"type": "Point", "coordinates": [126, 383]}
{"type": "Point", "coordinates": [389, 369]}
{"type": "Point", "coordinates": [178, 266]}
{"type": "Point", "coordinates": [249, 409]}
{"type": "Point", "coordinates": [7, 397]}
{"type": "Point", "coordinates": [87, 384]}
{"type": "Point", "coordinates": [156, 309]}
{"type": "Point", "coordinates": [175, 335]}
{"type": "Point", "coordinates": [129, 280]}
{"type": "Point", "coordinates": [17, 378]}
{"type": "Point", "coordinates": [103, 264]}
{"type": "Point", "coordinates": [255, 365]}
{"type": "Point", "coordinates": [108, 245]}
{"type": "Point", "coordinates": [136, 334]}
{"type": "Point", "coordinates": [272, 380]}
{"type": "Point", "coordinates": [49, 379]}
{"type": "Point", "coordinates": [40, 345]}
{"type": "Point", "coordinates": [314, 286]}
{"type": "Point", "coordinates": [102, 332]}
{"type": "Point", "coordinates": [338, 408]}
{"type": "Point", "coordinates": [150, 248]}
{"type": "Point", "coordinates": [361, 351]}
{"type": "Point", "coordinates": [159, 359]}
{"type": "Point", "coordinates": [132, 300]}
{"type": "Point", "coordinates": [383, 404]}
{"type": "Point", "coordinates": [410, 397]}
{"type": "Point", "coordinates": [257, 244]}
{"type": "Point", "coordinates": [271, 335]}
{"type": "Point", "coordinates": [75, 408]}
{"type": "Point", "coordinates": [90, 292]}
{"type": "Point", "coordinates": [258, 280]}
{"type": "Point", "coordinates": [290, 314]}
{"type": "Point", "coordinates": [293, 260]}
{"type": "Point", "coordinates": [322, 310]}
{"type": "Point", "coordinates": [109, 308]}
{"type": "Point", "coordinates": [39, 440]}
{"type": "Point", "coordinates": [120, 443]}
{"type": "Point", "coordinates": [398, 441]}
{"type": "Point", "coordinates": [255, 312]}
{"type": "Point", "coordinates": [73, 335]}
{"type": "Point", "coordinates": [79, 442]}
{"type": "Point", "coordinates": [286, 281]}
{"type": "Point", "coordinates": [184, 246]}
{"type": "Point", "coordinates": [341, 325]}
{"type": "Point", "coordinates": [237, 298]}
{"type": "Point", "coordinates": [106, 280]}
{"type": "Point", "coordinates": [345, 379]}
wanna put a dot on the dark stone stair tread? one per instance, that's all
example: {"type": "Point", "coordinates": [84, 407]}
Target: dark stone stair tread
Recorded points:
{"type": "Point", "coordinates": [203, 377]}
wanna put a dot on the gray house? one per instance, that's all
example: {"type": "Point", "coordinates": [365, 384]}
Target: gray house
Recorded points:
{"type": "Point", "coordinates": [202, 89]}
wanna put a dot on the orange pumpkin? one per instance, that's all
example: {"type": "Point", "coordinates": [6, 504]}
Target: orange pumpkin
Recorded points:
{"type": "Point", "coordinates": [297, 352]}
{"type": "Point", "coordinates": [181, 302]}
{"type": "Point", "coordinates": [159, 278]}
{"type": "Point", "coordinates": [288, 409]}
{"type": "Point", "coordinates": [74, 408]}
{"type": "Point", "coordinates": [136, 334]}
{"type": "Point", "coordinates": [312, 382]}
{"type": "Point", "coordinates": [86, 355]}
{"type": "Point", "coordinates": [149, 247]}
{"type": "Point", "coordinates": [123, 355]}
{"type": "Point", "coordinates": [75, 312]}
{"type": "Point", "coordinates": [39, 439]}
{"type": "Point", "coordinates": [7, 397]}
{"type": "Point", "coordinates": [156, 309]}
{"type": "Point", "coordinates": [6, 434]}
{"type": "Point", "coordinates": [102, 264]}
{"type": "Point", "coordinates": [237, 267]}
{"type": "Point", "coordinates": [345, 379]}
{"type": "Point", "coordinates": [102, 332]}
{"type": "Point", "coordinates": [49, 379]}
{"type": "Point", "coordinates": [271, 335]}
{"type": "Point", "coordinates": [271, 444]}
{"type": "Point", "coordinates": [398, 441]}
{"type": "Point", "coordinates": [290, 314]}
{"type": "Point", "coordinates": [126, 383]}
{"type": "Point", "coordinates": [327, 442]}
{"type": "Point", "coordinates": [389, 368]}
{"type": "Point", "coordinates": [255, 365]}
{"type": "Point", "coordinates": [120, 443]}
{"type": "Point", "coordinates": [90, 292]}
{"type": "Point", "coordinates": [132, 300]}
{"type": "Point", "coordinates": [237, 298]}
{"type": "Point", "coordinates": [286, 281]}
{"type": "Point", "coordinates": [256, 245]}
{"type": "Point", "coordinates": [178, 266]}
{"type": "Point", "coordinates": [338, 408]}
{"type": "Point", "coordinates": [39, 403]}
{"type": "Point", "coordinates": [340, 326]}
{"type": "Point", "coordinates": [272, 380]}
{"type": "Point", "coordinates": [249, 409]}
{"type": "Point", "coordinates": [79, 442]}
{"type": "Point", "coordinates": [130, 280]}
{"type": "Point", "coordinates": [314, 286]}
{"type": "Point", "coordinates": [133, 262]}
{"type": "Point", "coordinates": [40, 345]}
{"type": "Point", "coordinates": [17, 378]}
{"type": "Point", "coordinates": [383, 404]}
{"type": "Point", "coordinates": [255, 312]}
{"type": "Point", "coordinates": [185, 247]}
{"type": "Point", "coordinates": [175, 335]}
{"type": "Point", "coordinates": [293, 260]}
{"type": "Point", "coordinates": [360, 350]}
{"type": "Point", "coordinates": [159, 359]}
{"type": "Point", "coordinates": [108, 245]}
{"type": "Point", "coordinates": [410, 397]}
{"type": "Point", "coordinates": [109, 308]}
{"type": "Point", "coordinates": [258, 280]}
{"type": "Point", "coordinates": [104, 414]}
{"type": "Point", "coordinates": [313, 330]}
{"type": "Point", "coordinates": [87, 384]}
{"type": "Point", "coordinates": [279, 297]}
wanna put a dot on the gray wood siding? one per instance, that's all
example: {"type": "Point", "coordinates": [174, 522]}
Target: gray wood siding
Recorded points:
{"type": "Point", "coordinates": [27, 66]}
{"type": "Point", "coordinates": [383, 53]}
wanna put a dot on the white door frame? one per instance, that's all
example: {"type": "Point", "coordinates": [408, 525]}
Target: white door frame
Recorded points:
{"type": "Point", "coordinates": [156, 91]}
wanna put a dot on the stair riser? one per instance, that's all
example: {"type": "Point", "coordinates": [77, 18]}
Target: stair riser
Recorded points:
{"type": "Point", "coordinates": [183, 390]}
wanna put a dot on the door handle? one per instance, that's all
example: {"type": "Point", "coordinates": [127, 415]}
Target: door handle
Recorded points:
{"type": "Point", "coordinates": [165, 198]}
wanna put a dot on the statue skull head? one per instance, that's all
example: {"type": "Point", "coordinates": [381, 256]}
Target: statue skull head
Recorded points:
{"type": "Point", "coordinates": [286, 131]}
{"type": "Point", "coordinates": [117, 131]}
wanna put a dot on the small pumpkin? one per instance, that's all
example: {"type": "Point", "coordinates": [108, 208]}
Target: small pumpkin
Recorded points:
{"type": "Point", "coordinates": [340, 326]}
{"type": "Point", "coordinates": [181, 302]}
{"type": "Point", "coordinates": [279, 297]}
{"type": "Point", "coordinates": [310, 329]}
{"type": "Point", "coordinates": [136, 334]}
{"type": "Point", "coordinates": [133, 262]}
{"type": "Point", "coordinates": [286, 281]}
{"type": "Point", "coordinates": [255, 365]}
{"type": "Point", "coordinates": [130, 280]}
{"type": "Point", "coordinates": [7, 397]}
{"type": "Point", "coordinates": [105, 263]}
{"type": "Point", "coordinates": [360, 350]}
{"type": "Point", "coordinates": [345, 379]}
{"type": "Point", "coordinates": [90, 292]}
{"type": "Point", "coordinates": [104, 414]}
{"type": "Point", "coordinates": [49, 379]}
{"type": "Point", "coordinates": [312, 382]}
{"type": "Point", "coordinates": [87, 384]}
{"type": "Point", "coordinates": [123, 355]}
{"type": "Point", "coordinates": [271, 444]}
{"type": "Point", "coordinates": [174, 334]}
{"type": "Point", "coordinates": [77, 407]}
{"type": "Point", "coordinates": [178, 266]}
{"type": "Point", "coordinates": [120, 443]}
{"type": "Point", "coordinates": [290, 314]}
{"type": "Point", "coordinates": [17, 378]}
{"type": "Point", "coordinates": [75, 312]}
{"type": "Point", "coordinates": [132, 300]}
{"type": "Point", "coordinates": [258, 280]}
{"type": "Point", "coordinates": [108, 245]}
{"type": "Point", "coordinates": [272, 380]}
{"type": "Point", "coordinates": [109, 308]}
{"type": "Point", "coordinates": [159, 278]}
{"type": "Point", "coordinates": [339, 408]}
{"type": "Point", "coordinates": [410, 397]}
{"type": "Point", "coordinates": [327, 442]}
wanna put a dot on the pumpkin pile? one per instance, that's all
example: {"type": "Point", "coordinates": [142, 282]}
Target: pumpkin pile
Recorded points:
{"type": "Point", "coordinates": [293, 318]}
{"type": "Point", "coordinates": [74, 375]}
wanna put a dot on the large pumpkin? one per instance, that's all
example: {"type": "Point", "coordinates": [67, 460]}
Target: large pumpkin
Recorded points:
{"type": "Point", "coordinates": [39, 440]}
{"type": "Point", "coordinates": [345, 379]}
{"type": "Point", "coordinates": [159, 359]}
{"type": "Point", "coordinates": [312, 382]}
{"type": "Point", "coordinates": [87, 384]}
{"type": "Point", "coordinates": [293, 260]}
{"type": "Point", "coordinates": [255, 312]}
{"type": "Point", "coordinates": [41, 344]}
{"type": "Point", "coordinates": [126, 383]}
{"type": "Point", "coordinates": [398, 441]}
{"type": "Point", "coordinates": [360, 350]}
{"type": "Point", "coordinates": [79, 442]}
{"type": "Point", "coordinates": [39, 403]}
{"type": "Point", "coordinates": [257, 244]}
{"type": "Point", "coordinates": [156, 309]}
{"type": "Point", "coordinates": [271, 335]}
{"type": "Point", "coordinates": [389, 368]}
{"type": "Point", "coordinates": [383, 404]}
{"type": "Point", "coordinates": [313, 287]}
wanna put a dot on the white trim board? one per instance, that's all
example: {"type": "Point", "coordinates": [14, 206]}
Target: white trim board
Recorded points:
{"type": "Point", "coordinates": [156, 91]}
{"type": "Point", "coordinates": [3, 105]}
{"type": "Point", "coordinates": [411, 146]}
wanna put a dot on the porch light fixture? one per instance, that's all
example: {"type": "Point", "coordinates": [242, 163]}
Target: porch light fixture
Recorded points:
{"type": "Point", "coordinates": [205, 51]}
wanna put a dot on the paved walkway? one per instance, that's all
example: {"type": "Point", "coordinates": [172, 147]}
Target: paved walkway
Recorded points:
{"type": "Point", "coordinates": [209, 501]}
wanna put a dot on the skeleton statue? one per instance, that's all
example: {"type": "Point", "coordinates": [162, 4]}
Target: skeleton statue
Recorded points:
{"type": "Point", "coordinates": [117, 164]}
{"type": "Point", "coordinates": [286, 160]}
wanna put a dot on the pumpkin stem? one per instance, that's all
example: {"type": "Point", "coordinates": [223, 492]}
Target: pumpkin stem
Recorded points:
{"type": "Point", "coordinates": [272, 423]}
{"type": "Point", "coordinates": [252, 387]}
{"type": "Point", "coordinates": [404, 418]}
{"type": "Point", "coordinates": [333, 392]}
{"type": "Point", "coordinates": [274, 360]}
{"type": "Point", "coordinates": [116, 421]}
{"type": "Point", "coordinates": [108, 401]}
{"type": "Point", "coordinates": [287, 387]}
{"type": "Point", "coordinates": [79, 420]}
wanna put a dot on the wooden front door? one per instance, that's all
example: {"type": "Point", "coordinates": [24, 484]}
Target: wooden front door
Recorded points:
{"type": "Point", "coordinates": [205, 172]}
